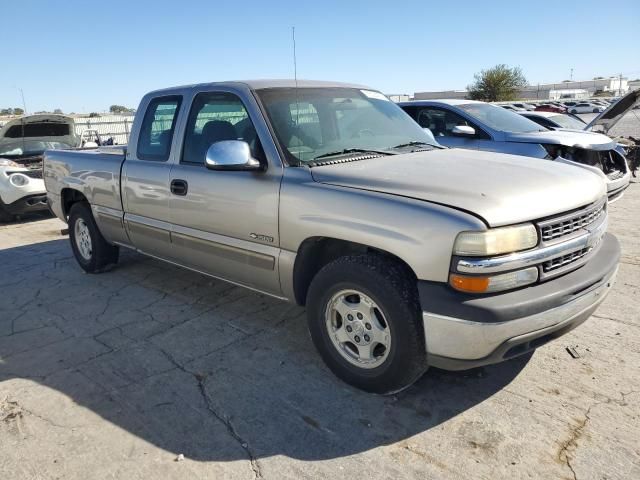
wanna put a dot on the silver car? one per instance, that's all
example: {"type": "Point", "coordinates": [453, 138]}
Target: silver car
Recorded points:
{"type": "Point", "coordinates": [483, 126]}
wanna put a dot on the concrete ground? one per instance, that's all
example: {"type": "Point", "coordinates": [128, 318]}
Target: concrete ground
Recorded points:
{"type": "Point", "coordinates": [116, 375]}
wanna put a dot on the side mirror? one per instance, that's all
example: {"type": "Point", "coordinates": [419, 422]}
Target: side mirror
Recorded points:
{"type": "Point", "coordinates": [463, 130]}
{"type": "Point", "coordinates": [231, 155]}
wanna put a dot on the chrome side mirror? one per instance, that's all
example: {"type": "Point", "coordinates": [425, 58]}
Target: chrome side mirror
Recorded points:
{"type": "Point", "coordinates": [231, 155]}
{"type": "Point", "coordinates": [463, 130]}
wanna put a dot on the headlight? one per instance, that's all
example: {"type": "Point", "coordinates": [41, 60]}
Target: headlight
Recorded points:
{"type": "Point", "coordinates": [496, 241]}
{"type": "Point", "coordinates": [494, 283]}
{"type": "Point", "coordinates": [5, 162]}
{"type": "Point", "coordinates": [18, 180]}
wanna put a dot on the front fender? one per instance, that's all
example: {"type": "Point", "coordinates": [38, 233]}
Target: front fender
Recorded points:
{"type": "Point", "coordinates": [418, 232]}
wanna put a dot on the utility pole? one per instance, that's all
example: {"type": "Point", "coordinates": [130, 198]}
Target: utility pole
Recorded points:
{"type": "Point", "coordinates": [620, 85]}
{"type": "Point", "coordinates": [571, 74]}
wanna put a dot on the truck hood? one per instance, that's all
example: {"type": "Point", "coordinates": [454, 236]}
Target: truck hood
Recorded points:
{"type": "Point", "coordinates": [612, 115]}
{"type": "Point", "coordinates": [501, 189]}
{"type": "Point", "coordinates": [566, 137]}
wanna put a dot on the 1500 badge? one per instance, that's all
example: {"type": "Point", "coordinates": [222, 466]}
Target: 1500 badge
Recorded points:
{"type": "Point", "coordinates": [262, 238]}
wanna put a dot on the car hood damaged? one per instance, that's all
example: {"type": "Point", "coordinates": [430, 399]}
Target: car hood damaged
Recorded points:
{"type": "Point", "coordinates": [501, 189]}
{"type": "Point", "coordinates": [612, 115]}
{"type": "Point", "coordinates": [568, 138]}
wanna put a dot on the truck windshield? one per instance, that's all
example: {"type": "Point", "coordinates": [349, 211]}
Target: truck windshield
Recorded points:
{"type": "Point", "coordinates": [312, 123]}
{"type": "Point", "coordinates": [501, 119]}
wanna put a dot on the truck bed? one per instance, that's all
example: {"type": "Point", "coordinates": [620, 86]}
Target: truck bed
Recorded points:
{"type": "Point", "coordinates": [94, 172]}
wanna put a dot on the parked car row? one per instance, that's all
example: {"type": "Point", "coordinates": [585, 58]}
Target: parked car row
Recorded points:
{"type": "Point", "coordinates": [406, 254]}
{"type": "Point", "coordinates": [561, 106]}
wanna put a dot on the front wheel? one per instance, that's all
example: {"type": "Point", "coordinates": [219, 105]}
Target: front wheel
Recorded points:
{"type": "Point", "coordinates": [574, 111]}
{"type": "Point", "coordinates": [595, 110]}
{"type": "Point", "coordinates": [91, 250]}
{"type": "Point", "coordinates": [364, 319]}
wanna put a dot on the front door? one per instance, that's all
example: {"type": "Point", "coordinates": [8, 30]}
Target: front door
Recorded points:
{"type": "Point", "coordinates": [225, 223]}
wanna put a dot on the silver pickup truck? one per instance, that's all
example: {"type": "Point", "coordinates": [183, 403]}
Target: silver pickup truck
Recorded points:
{"type": "Point", "coordinates": [405, 254]}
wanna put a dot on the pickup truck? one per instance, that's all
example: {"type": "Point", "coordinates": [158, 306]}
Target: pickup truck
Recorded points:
{"type": "Point", "coordinates": [406, 254]}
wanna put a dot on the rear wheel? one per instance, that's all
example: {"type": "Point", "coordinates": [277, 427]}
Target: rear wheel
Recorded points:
{"type": "Point", "coordinates": [574, 111]}
{"type": "Point", "coordinates": [364, 319]}
{"type": "Point", "coordinates": [595, 110]}
{"type": "Point", "coordinates": [92, 251]}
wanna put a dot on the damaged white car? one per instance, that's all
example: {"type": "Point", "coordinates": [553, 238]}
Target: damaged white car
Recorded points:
{"type": "Point", "coordinates": [22, 143]}
{"type": "Point", "coordinates": [483, 126]}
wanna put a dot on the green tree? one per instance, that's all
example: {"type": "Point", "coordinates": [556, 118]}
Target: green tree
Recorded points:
{"type": "Point", "coordinates": [497, 84]}
{"type": "Point", "coordinates": [18, 111]}
{"type": "Point", "coordinates": [58, 111]}
{"type": "Point", "coordinates": [94, 115]}
{"type": "Point", "coordinates": [6, 111]}
{"type": "Point", "coordinates": [118, 109]}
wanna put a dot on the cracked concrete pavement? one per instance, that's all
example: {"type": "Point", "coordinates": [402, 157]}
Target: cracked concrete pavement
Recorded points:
{"type": "Point", "coordinates": [115, 375]}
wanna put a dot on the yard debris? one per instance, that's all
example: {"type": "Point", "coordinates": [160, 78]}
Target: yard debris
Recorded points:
{"type": "Point", "coordinates": [179, 458]}
{"type": "Point", "coordinates": [573, 352]}
{"type": "Point", "coordinates": [64, 231]}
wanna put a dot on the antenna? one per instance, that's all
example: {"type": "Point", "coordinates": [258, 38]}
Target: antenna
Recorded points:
{"type": "Point", "coordinates": [24, 105]}
{"type": "Point", "coordinates": [295, 63]}
{"type": "Point", "coordinates": [295, 73]}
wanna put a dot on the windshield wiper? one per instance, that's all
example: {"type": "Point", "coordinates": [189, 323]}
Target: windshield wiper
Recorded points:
{"type": "Point", "coordinates": [413, 144]}
{"type": "Point", "coordinates": [352, 150]}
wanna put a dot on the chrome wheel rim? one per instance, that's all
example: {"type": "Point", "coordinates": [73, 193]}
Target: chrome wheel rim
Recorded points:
{"type": "Point", "coordinates": [83, 239]}
{"type": "Point", "coordinates": [358, 329]}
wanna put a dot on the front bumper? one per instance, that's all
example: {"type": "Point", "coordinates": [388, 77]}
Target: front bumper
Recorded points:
{"type": "Point", "coordinates": [465, 331]}
{"type": "Point", "coordinates": [28, 204]}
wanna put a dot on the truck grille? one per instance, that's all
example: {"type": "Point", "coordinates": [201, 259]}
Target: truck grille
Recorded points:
{"type": "Point", "coordinates": [559, 227]}
{"type": "Point", "coordinates": [559, 262]}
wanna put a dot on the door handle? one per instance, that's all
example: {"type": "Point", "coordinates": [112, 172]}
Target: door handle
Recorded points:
{"type": "Point", "coordinates": [179, 187]}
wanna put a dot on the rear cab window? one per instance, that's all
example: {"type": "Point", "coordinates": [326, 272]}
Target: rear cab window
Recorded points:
{"type": "Point", "coordinates": [158, 125]}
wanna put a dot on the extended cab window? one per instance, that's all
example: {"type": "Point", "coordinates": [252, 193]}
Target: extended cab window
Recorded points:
{"type": "Point", "coordinates": [157, 128]}
{"type": "Point", "coordinates": [215, 117]}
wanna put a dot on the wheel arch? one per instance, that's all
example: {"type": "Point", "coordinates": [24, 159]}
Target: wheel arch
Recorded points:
{"type": "Point", "coordinates": [70, 196]}
{"type": "Point", "coordinates": [316, 252]}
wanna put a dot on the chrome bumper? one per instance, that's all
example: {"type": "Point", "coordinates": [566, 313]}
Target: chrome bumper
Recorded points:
{"type": "Point", "coordinates": [480, 343]}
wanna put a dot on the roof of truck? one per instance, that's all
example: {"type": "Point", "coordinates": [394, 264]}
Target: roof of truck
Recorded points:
{"type": "Point", "coordinates": [265, 83]}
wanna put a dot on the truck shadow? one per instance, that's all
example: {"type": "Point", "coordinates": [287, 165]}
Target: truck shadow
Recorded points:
{"type": "Point", "coordinates": [199, 367]}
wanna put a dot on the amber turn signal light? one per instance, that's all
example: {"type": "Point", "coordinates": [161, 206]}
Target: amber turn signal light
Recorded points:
{"type": "Point", "coordinates": [469, 284]}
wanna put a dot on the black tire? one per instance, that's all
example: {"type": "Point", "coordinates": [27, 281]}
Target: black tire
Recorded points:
{"type": "Point", "coordinates": [595, 110]}
{"type": "Point", "coordinates": [5, 217]}
{"type": "Point", "coordinates": [102, 253]}
{"type": "Point", "coordinates": [394, 290]}
{"type": "Point", "coordinates": [574, 111]}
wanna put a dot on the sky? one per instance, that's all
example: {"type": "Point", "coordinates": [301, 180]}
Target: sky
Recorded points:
{"type": "Point", "coordinates": [86, 56]}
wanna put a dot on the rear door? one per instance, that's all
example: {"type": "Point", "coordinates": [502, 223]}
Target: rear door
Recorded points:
{"type": "Point", "coordinates": [225, 223]}
{"type": "Point", "coordinates": [146, 177]}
